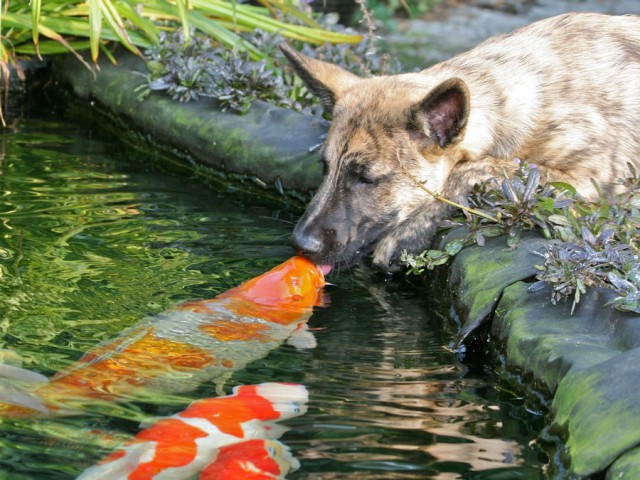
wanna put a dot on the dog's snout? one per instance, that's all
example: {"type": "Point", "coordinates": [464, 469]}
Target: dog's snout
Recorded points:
{"type": "Point", "coordinates": [306, 244]}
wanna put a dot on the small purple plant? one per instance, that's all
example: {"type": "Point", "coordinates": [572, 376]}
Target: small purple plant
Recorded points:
{"type": "Point", "coordinates": [594, 245]}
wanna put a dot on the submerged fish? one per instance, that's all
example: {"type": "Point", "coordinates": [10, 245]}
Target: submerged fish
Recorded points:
{"type": "Point", "coordinates": [256, 459]}
{"type": "Point", "coordinates": [180, 349]}
{"type": "Point", "coordinates": [213, 434]}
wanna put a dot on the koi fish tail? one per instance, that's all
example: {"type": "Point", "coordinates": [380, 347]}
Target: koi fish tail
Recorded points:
{"type": "Point", "coordinates": [15, 382]}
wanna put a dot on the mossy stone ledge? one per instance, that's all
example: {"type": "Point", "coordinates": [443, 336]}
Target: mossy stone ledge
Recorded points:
{"type": "Point", "coordinates": [272, 146]}
{"type": "Point", "coordinates": [587, 361]}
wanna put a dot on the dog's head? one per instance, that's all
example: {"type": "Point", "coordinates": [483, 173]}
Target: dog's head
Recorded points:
{"type": "Point", "coordinates": [387, 135]}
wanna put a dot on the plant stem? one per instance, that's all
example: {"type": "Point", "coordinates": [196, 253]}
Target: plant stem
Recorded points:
{"type": "Point", "coordinates": [440, 198]}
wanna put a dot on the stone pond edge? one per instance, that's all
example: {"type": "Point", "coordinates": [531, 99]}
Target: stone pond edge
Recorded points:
{"type": "Point", "coordinates": [274, 148]}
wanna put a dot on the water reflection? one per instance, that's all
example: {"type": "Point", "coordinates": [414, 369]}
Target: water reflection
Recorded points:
{"type": "Point", "coordinates": [390, 401]}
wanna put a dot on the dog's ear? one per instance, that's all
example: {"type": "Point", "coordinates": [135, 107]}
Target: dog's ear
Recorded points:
{"type": "Point", "coordinates": [442, 113]}
{"type": "Point", "coordinates": [325, 80]}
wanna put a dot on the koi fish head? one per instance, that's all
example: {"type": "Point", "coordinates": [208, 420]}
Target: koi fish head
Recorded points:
{"type": "Point", "coordinates": [292, 285]}
{"type": "Point", "coordinates": [288, 399]}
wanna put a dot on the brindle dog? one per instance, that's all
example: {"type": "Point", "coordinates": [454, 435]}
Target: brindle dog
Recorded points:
{"type": "Point", "coordinates": [563, 93]}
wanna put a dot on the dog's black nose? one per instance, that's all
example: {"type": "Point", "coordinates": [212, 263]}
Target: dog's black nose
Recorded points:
{"type": "Point", "coordinates": [305, 244]}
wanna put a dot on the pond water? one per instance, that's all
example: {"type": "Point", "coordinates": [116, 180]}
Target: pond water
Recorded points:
{"type": "Point", "coordinates": [96, 236]}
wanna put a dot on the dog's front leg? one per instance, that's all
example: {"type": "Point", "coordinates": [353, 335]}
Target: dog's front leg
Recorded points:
{"type": "Point", "coordinates": [414, 235]}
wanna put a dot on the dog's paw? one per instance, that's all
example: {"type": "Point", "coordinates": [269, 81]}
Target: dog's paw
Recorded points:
{"type": "Point", "coordinates": [386, 255]}
{"type": "Point", "coordinates": [413, 237]}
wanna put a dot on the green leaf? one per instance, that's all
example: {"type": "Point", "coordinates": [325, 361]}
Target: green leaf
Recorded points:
{"type": "Point", "coordinates": [140, 22]}
{"type": "Point", "coordinates": [559, 220]}
{"type": "Point", "coordinates": [36, 6]}
{"type": "Point", "coordinates": [492, 231]}
{"type": "Point", "coordinates": [114, 20]}
{"type": "Point", "coordinates": [454, 247]}
{"type": "Point", "coordinates": [184, 19]}
{"type": "Point", "coordinates": [564, 187]}
{"type": "Point", "coordinates": [95, 28]}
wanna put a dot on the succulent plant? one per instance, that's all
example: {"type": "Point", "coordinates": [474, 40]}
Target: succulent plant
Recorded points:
{"type": "Point", "coordinates": [593, 244]}
{"type": "Point", "coordinates": [203, 67]}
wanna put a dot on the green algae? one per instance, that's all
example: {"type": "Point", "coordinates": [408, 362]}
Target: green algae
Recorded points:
{"type": "Point", "coordinates": [480, 274]}
{"type": "Point", "coordinates": [599, 408]}
{"type": "Point", "coordinates": [625, 467]}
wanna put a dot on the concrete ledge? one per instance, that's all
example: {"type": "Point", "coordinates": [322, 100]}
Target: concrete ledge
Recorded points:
{"type": "Point", "coordinates": [587, 362]}
{"type": "Point", "coordinates": [271, 145]}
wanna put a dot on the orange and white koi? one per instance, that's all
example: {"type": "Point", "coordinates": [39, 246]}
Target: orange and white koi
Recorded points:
{"type": "Point", "coordinates": [187, 346]}
{"type": "Point", "coordinates": [204, 434]}
{"type": "Point", "coordinates": [256, 459]}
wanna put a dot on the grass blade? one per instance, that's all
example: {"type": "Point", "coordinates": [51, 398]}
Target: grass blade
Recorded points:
{"type": "Point", "coordinates": [95, 28]}
{"type": "Point", "coordinates": [36, 6]}
{"type": "Point", "coordinates": [143, 24]}
{"type": "Point", "coordinates": [184, 19]}
{"type": "Point", "coordinates": [115, 22]}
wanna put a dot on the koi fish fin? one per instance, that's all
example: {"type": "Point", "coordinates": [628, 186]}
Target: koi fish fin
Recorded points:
{"type": "Point", "coordinates": [21, 375]}
{"type": "Point", "coordinates": [288, 399]}
{"type": "Point", "coordinates": [273, 430]}
{"type": "Point", "coordinates": [302, 338]}
{"type": "Point", "coordinates": [221, 381]}
{"type": "Point", "coordinates": [12, 396]}
{"type": "Point", "coordinates": [120, 467]}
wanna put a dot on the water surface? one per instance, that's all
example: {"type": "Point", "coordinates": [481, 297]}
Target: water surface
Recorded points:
{"type": "Point", "coordinates": [95, 236]}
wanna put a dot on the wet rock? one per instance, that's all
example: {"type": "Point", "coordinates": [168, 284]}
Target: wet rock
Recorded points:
{"type": "Point", "coordinates": [480, 274]}
{"type": "Point", "coordinates": [586, 360]}
{"type": "Point", "coordinates": [599, 407]}
{"type": "Point", "coordinates": [546, 341]}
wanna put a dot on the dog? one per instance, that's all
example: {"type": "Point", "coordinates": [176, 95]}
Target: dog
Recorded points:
{"type": "Point", "coordinates": [562, 93]}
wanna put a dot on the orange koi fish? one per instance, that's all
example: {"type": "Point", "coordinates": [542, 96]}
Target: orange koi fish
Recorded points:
{"type": "Point", "coordinates": [200, 437]}
{"type": "Point", "coordinates": [180, 349]}
{"type": "Point", "coordinates": [256, 459]}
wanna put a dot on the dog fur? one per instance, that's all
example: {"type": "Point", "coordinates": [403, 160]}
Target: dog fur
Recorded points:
{"type": "Point", "coordinates": [562, 93]}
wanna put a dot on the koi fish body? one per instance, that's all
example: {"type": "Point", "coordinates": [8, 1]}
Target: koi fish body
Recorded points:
{"type": "Point", "coordinates": [214, 432]}
{"type": "Point", "coordinates": [183, 348]}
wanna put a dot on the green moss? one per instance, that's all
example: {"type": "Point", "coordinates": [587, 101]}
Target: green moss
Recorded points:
{"type": "Point", "coordinates": [268, 143]}
{"type": "Point", "coordinates": [625, 467]}
{"type": "Point", "coordinates": [600, 412]}
{"type": "Point", "coordinates": [480, 274]}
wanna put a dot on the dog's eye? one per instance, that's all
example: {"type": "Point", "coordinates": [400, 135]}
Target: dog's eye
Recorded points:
{"type": "Point", "coordinates": [362, 176]}
{"type": "Point", "coordinates": [366, 180]}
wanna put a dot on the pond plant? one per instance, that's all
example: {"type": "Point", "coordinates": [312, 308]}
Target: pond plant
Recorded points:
{"type": "Point", "coordinates": [591, 244]}
{"type": "Point", "coordinates": [73, 25]}
{"type": "Point", "coordinates": [205, 67]}
{"type": "Point", "coordinates": [37, 28]}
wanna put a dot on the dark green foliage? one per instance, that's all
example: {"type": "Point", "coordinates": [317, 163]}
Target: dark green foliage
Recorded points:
{"type": "Point", "coordinates": [595, 244]}
{"type": "Point", "coordinates": [205, 68]}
